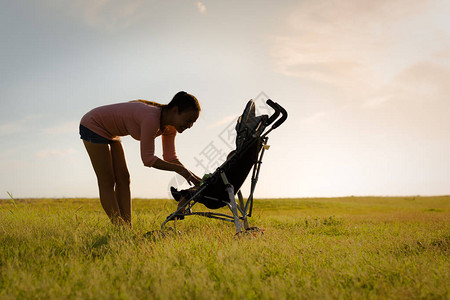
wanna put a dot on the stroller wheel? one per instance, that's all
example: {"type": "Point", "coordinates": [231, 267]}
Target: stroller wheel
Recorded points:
{"type": "Point", "coordinates": [250, 232]}
{"type": "Point", "coordinates": [255, 229]}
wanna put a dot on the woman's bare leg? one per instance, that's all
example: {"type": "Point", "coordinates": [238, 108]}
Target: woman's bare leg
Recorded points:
{"type": "Point", "coordinates": [101, 160]}
{"type": "Point", "coordinates": [122, 176]}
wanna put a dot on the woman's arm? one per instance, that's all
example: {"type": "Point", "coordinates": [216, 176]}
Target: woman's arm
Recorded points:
{"type": "Point", "coordinates": [197, 179]}
{"type": "Point", "coordinates": [169, 153]}
{"type": "Point", "coordinates": [176, 161]}
{"type": "Point", "coordinates": [176, 166]}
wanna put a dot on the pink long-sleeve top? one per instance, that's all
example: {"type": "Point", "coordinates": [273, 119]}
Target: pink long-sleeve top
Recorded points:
{"type": "Point", "coordinates": [137, 119]}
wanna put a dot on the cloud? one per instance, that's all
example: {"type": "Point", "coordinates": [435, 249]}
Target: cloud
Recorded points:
{"type": "Point", "coordinates": [18, 125]}
{"type": "Point", "coordinates": [375, 69]}
{"type": "Point", "coordinates": [426, 80]}
{"type": "Point", "coordinates": [315, 118]}
{"type": "Point", "coordinates": [201, 7]}
{"type": "Point", "coordinates": [66, 127]}
{"type": "Point", "coordinates": [55, 153]}
{"type": "Point", "coordinates": [105, 15]}
{"type": "Point", "coordinates": [359, 47]}
{"type": "Point", "coordinates": [414, 105]}
{"type": "Point", "coordinates": [424, 83]}
{"type": "Point", "coordinates": [376, 101]}
{"type": "Point", "coordinates": [224, 121]}
{"type": "Point", "coordinates": [9, 128]}
{"type": "Point", "coordinates": [421, 92]}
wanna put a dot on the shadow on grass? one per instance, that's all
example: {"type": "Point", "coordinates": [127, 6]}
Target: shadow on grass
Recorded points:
{"type": "Point", "coordinates": [100, 246]}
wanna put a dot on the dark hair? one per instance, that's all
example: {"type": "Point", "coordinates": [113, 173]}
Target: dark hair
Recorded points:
{"type": "Point", "coordinates": [182, 100]}
{"type": "Point", "coordinates": [185, 102]}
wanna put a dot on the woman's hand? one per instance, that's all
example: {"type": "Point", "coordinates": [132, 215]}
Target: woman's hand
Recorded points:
{"type": "Point", "coordinates": [190, 177]}
{"type": "Point", "coordinates": [196, 179]}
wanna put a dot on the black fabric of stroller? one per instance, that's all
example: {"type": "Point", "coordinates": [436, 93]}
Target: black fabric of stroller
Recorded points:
{"type": "Point", "coordinates": [236, 169]}
{"type": "Point", "coordinates": [239, 163]}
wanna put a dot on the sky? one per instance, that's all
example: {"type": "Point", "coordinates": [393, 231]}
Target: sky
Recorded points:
{"type": "Point", "coordinates": [366, 85]}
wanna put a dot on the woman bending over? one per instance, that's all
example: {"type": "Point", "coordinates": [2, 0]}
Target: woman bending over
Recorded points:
{"type": "Point", "coordinates": [101, 129]}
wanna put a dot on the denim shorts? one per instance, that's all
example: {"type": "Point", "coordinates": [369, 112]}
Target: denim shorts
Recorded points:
{"type": "Point", "coordinates": [90, 136]}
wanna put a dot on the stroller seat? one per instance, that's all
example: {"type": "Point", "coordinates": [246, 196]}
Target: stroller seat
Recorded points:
{"type": "Point", "coordinates": [220, 188]}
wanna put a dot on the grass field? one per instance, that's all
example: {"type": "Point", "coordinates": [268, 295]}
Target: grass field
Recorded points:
{"type": "Point", "coordinates": [337, 248]}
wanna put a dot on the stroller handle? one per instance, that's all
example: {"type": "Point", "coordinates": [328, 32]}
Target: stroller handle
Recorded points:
{"type": "Point", "coordinates": [278, 109]}
{"type": "Point", "coordinates": [275, 115]}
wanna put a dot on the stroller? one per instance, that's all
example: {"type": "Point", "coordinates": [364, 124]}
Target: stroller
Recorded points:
{"type": "Point", "coordinates": [220, 188]}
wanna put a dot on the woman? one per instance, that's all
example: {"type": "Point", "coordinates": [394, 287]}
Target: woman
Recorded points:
{"type": "Point", "coordinates": [101, 129]}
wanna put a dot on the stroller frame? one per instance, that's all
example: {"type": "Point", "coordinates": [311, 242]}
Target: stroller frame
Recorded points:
{"type": "Point", "coordinates": [241, 210]}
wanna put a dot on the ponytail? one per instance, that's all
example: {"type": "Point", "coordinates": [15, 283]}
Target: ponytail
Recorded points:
{"type": "Point", "coordinates": [151, 103]}
{"type": "Point", "coordinates": [183, 100]}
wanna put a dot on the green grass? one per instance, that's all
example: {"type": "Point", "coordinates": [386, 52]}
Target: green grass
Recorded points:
{"type": "Point", "coordinates": [336, 248]}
